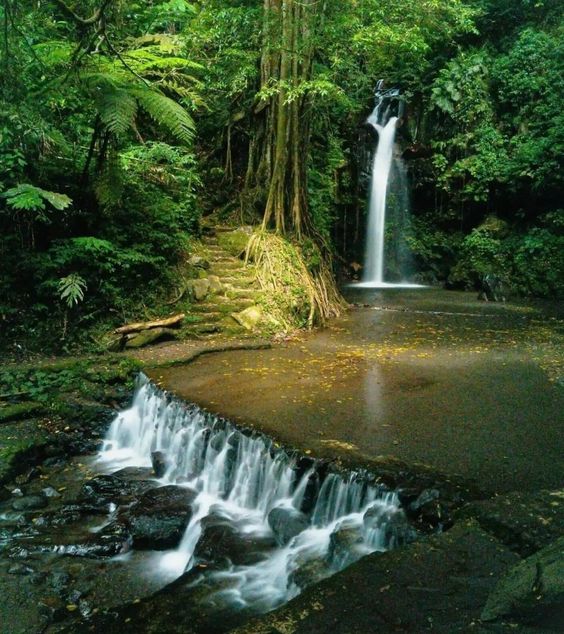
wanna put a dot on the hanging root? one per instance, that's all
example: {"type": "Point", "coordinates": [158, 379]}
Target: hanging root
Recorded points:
{"type": "Point", "coordinates": [297, 280]}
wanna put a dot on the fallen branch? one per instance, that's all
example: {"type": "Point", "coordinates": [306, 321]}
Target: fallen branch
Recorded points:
{"type": "Point", "coordinates": [175, 320]}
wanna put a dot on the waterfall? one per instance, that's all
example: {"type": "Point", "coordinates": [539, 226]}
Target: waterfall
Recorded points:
{"type": "Point", "coordinates": [384, 119]}
{"type": "Point", "coordinates": [374, 262]}
{"type": "Point", "coordinates": [242, 476]}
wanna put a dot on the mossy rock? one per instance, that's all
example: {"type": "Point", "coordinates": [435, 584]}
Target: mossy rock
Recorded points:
{"type": "Point", "coordinates": [147, 337]}
{"type": "Point", "coordinates": [249, 318]}
{"type": "Point", "coordinates": [19, 411]}
{"type": "Point", "coordinates": [534, 586]}
{"type": "Point", "coordinates": [235, 242]}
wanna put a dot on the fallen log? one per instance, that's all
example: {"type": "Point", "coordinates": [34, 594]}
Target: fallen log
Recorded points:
{"type": "Point", "coordinates": [147, 325]}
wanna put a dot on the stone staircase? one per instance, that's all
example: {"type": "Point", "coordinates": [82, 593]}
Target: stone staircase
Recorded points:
{"type": "Point", "coordinates": [225, 288]}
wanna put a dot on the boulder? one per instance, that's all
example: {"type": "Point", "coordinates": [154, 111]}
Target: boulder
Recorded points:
{"type": "Point", "coordinates": [158, 520]}
{"type": "Point", "coordinates": [200, 288]}
{"type": "Point", "coordinates": [30, 503]}
{"type": "Point", "coordinates": [392, 524]}
{"type": "Point", "coordinates": [248, 318]}
{"type": "Point", "coordinates": [159, 462]}
{"type": "Point", "coordinates": [286, 523]}
{"type": "Point", "coordinates": [199, 262]}
{"type": "Point", "coordinates": [221, 544]}
{"type": "Point", "coordinates": [532, 589]}
{"type": "Point", "coordinates": [105, 489]}
{"type": "Point", "coordinates": [215, 284]}
{"type": "Point", "coordinates": [523, 521]}
{"type": "Point", "coordinates": [345, 545]}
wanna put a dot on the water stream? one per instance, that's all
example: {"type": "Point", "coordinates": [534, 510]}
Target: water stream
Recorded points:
{"type": "Point", "coordinates": [241, 477]}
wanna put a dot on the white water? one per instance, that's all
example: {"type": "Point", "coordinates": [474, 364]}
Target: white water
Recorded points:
{"type": "Point", "coordinates": [374, 261]}
{"type": "Point", "coordinates": [386, 126]}
{"type": "Point", "coordinates": [242, 477]}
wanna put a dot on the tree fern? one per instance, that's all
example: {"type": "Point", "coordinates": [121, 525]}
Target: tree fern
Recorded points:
{"type": "Point", "coordinates": [117, 109]}
{"type": "Point", "coordinates": [166, 112]}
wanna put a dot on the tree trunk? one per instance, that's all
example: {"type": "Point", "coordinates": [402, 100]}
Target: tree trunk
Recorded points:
{"type": "Point", "coordinates": [278, 146]}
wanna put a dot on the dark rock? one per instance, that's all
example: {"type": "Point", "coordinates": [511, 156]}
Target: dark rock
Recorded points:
{"type": "Point", "coordinates": [134, 473]}
{"type": "Point", "coordinates": [59, 581]}
{"type": "Point", "coordinates": [532, 589]}
{"type": "Point", "coordinates": [28, 476]}
{"type": "Point", "coordinates": [286, 523]}
{"type": "Point", "coordinates": [344, 545]}
{"type": "Point", "coordinates": [106, 489]}
{"type": "Point", "coordinates": [50, 492]}
{"type": "Point", "coordinates": [221, 543]}
{"type": "Point", "coordinates": [30, 503]}
{"type": "Point", "coordinates": [20, 569]}
{"type": "Point", "coordinates": [159, 518]}
{"type": "Point", "coordinates": [437, 584]}
{"type": "Point", "coordinates": [52, 608]}
{"type": "Point", "coordinates": [159, 462]}
{"type": "Point", "coordinates": [310, 572]}
{"type": "Point", "coordinates": [523, 521]}
{"type": "Point", "coordinates": [393, 524]}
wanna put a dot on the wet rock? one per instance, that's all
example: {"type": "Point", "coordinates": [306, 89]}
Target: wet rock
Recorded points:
{"type": "Point", "coordinates": [159, 518]}
{"type": "Point", "coordinates": [159, 462]}
{"type": "Point", "coordinates": [20, 569]}
{"type": "Point", "coordinates": [310, 572]}
{"type": "Point", "coordinates": [532, 589]}
{"type": "Point", "coordinates": [50, 492]}
{"type": "Point", "coordinates": [394, 528]}
{"type": "Point", "coordinates": [345, 545]}
{"type": "Point", "coordinates": [248, 318]}
{"type": "Point", "coordinates": [28, 476]}
{"type": "Point", "coordinates": [524, 521]}
{"type": "Point", "coordinates": [446, 577]}
{"type": "Point", "coordinates": [134, 473]}
{"type": "Point", "coordinates": [286, 523]}
{"type": "Point", "coordinates": [105, 489]}
{"type": "Point", "coordinates": [30, 503]}
{"type": "Point", "coordinates": [429, 511]}
{"type": "Point", "coordinates": [52, 608]}
{"type": "Point", "coordinates": [108, 542]}
{"type": "Point", "coordinates": [221, 544]}
{"type": "Point", "coordinates": [59, 581]}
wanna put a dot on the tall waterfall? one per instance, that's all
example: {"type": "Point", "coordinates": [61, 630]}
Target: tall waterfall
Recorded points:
{"type": "Point", "coordinates": [241, 477]}
{"type": "Point", "coordinates": [387, 170]}
{"type": "Point", "coordinates": [374, 261]}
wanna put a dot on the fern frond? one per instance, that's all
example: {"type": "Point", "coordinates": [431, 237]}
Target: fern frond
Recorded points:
{"type": "Point", "coordinates": [117, 109]}
{"type": "Point", "coordinates": [109, 185]}
{"type": "Point", "coordinates": [166, 112]}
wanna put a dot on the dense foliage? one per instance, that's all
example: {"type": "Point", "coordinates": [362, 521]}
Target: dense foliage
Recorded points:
{"type": "Point", "coordinates": [122, 122]}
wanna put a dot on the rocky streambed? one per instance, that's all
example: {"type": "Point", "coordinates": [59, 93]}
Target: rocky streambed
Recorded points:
{"type": "Point", "coordinates": [169, 526]}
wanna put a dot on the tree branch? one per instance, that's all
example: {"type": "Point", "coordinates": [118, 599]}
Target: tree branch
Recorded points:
{"type": "Point", "coordinates": [84, 21]}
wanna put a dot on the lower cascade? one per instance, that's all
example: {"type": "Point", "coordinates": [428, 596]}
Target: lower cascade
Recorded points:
{"type": "Point", "coordinates": [290, 520]}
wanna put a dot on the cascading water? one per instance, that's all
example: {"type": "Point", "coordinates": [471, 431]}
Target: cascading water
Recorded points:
{"type": "Point", "coordinates": [241, 478]}
{"type": "Point", "coordinates": [384, 119]}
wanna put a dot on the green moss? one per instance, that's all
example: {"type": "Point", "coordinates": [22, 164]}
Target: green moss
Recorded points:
{"type": "Point", "coordinates": [19, 411]}
{"type": "Point", "coordinates": [235, 242]}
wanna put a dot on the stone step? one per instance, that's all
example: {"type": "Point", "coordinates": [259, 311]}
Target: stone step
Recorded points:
{"type": "Point", "coordinates": [244, 293]}
{"type": "Point", "coordinates": [223, 309]}
{"type": "Point", "coordinates": [227, 264]}
{"type": "Point", "coordinates": [239, 282]}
